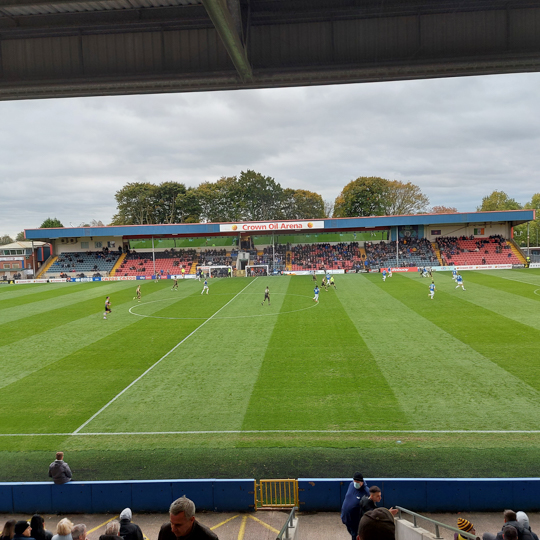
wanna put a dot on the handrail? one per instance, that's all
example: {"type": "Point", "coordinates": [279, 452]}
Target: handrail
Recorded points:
{"type": "Point", "coordinates": [436, 523]}
{"type": "Point", "coordinates": [288, 525]}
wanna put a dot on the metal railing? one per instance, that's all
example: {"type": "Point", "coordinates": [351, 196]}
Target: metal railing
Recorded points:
{"type": "Point", "coordinates": [437, 524]}
{"type": "Point", "coordinates": [276, 494]}
{"type": "Point", "coordinates": [289, 524]}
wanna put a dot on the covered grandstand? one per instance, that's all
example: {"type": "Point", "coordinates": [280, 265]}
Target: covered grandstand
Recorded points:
{"type": "Point", "coordinates": [335, 245]}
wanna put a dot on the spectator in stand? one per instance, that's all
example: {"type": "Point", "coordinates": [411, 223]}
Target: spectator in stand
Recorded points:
{"type": "Point", "coordinates": [523, 520]}
{"type": "Point", "coordinates": [79, 532]}
{"type": "Point", "coordinates": [183, 523]}
{"type": "Point", "coordinates": [59, 470]}
{"type": "Point", "coordinates": [377, 524]}
{"type": "Point", "coordinates": [350, 510]}
{"type": "Point", "coordinates": [38, 530]}
{"type": "Point", "coordinates": [465, 526]}
{"type": "Point", "coordinates": [510, 520]}
{"type": "Point", "coordinates": [128, 530]}
{"type": "Point", "coordinates": [9, 530]}
{"type": "Point", "coordinates": [370, 503]}
{"type": "Point", "coordinates": [112, 531]}
{"type": "Point", "coordinates": [510, 533]}
{"type": "Point", "coordinates": [22, 530]}
{"type": "Point", "coordinates": [63, 530]}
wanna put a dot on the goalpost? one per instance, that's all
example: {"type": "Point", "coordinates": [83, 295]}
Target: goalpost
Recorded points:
{"type": "Point", "coordinates": [215, 271]}
{"type": "Point", "coordinates": [257, 270]}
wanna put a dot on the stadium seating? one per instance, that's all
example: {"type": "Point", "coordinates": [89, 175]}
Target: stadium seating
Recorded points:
{"type": "Point", "coordinates": [167, 263]}
{"type": "Point", "coordinates": [412, 252]}
{"type": "Point", "coordinates": [89, 263]}
{"type": "Point", "coordinates": [476, 251]}
{"type": "Point", "coordinates": [339, 256]}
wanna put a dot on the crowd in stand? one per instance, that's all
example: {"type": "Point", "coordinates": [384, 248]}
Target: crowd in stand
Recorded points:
{"type": "Point", "coordinates": [215, 257]}
{"type": "Point", "coordinates": [411, 252]}
{"type": "Point", "coordinates": [320, 256]}
{"type": "Point", "coordinates": [453, 246]}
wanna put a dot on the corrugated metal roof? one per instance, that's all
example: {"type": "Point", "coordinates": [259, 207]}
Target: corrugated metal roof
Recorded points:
{"type": "Point", "coordinates": [39, 8]}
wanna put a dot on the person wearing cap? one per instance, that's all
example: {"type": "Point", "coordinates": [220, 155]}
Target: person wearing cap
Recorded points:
{"type": "Point", "coordinates": [377, 524]}
{"type": "Point", "coordinates": [128, 530]}
{"type": "Point", "coordinates": [510, 520]}
{"type": "Point", "coordinates": [22, 530]}
{"type": "Point", "coordinates": [350, 510]}
{"type": "Point", "coordinates": [59, 470]}
{"type": "Point", "coordinates": [465, 526]}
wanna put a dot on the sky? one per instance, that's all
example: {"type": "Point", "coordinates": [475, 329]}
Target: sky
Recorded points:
{"type": "Point", "coordinates": [458, 139]}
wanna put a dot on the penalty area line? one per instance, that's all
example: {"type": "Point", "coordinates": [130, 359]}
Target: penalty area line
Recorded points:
{"type": "Point", "coordinates": [264, 431]}
{"type": "Point", "coordinates": [82, 426]}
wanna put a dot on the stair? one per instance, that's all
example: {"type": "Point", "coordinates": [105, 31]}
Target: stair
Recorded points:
{"type": "Point", "coordinates": [117, 264]}
{"type": "Point", "coordinates": [48, 263]}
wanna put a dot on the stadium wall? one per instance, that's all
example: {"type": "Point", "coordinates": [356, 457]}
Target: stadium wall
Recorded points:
{"type": "Point", "coordinates": [315, 494]}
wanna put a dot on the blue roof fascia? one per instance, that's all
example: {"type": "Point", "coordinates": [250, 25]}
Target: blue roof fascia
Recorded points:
{"type": "Point", "coordinates": [429, 219]}
{"type": "Point", "coordinates": [123, 230]}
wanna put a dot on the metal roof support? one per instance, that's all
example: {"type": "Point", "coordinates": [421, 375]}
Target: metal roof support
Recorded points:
{"type": "Point", "coordinates": [222, 19]}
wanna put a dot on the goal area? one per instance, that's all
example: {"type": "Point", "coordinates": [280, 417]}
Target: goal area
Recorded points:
{"type": "Point", "coordinates": [215, 271]}
{"type": "Point", "coordinates": [257, 270]}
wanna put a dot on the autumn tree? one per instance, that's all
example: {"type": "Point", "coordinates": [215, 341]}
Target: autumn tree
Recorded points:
{"type": "Point", "coordinates": [533, 226]}
{"type": "Point", "coordinates": [51, 223]}
{"type": "Point", "coordinates": [404, 199]}
{"type": "Point", "coordinates": [364, 196]}
{"type": "Point", "coordinates": [443, 210]}
{"type": "Point", "coordinates": [6, 239]}
{"type": "Point", "coordinates": [498, 200]}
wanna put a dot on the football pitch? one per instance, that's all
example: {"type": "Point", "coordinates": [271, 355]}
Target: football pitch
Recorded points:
{"type": "Point", "coordinates": [375, 377]}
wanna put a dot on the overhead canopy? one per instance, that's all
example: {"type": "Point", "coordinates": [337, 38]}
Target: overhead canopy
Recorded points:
{"type": "Point", "coordinates": [106, 47]}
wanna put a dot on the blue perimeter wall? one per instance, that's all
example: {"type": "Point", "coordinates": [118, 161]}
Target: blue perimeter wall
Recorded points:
{"type": "Point", "coordinates": [316, 494]}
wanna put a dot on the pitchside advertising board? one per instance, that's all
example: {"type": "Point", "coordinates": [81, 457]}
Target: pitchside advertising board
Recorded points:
{"type": "Point", "coordinates": [272, 226]}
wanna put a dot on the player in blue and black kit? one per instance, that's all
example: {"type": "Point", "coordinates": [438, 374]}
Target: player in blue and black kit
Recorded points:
{"type": "Point", "coordinates": [384, 274]}
{"type": "Point", "coordinates": [205, 288]}
{"type": "Point", "coordinates": [316, 291]}
{"type": "Point", "coordinates": [432, 290]}
{"type": "Point", "coordinates": [454, 274]}
{"type": "Point", "coordinates": [459, 281]}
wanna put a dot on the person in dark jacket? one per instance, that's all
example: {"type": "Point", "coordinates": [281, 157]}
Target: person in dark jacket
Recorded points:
{"type": "Point", "coordinates": [377, 524]}
{"type": "Point", "coordinates": [370, 503]}
{"type": "Point", "coordinates": [23, 531]}
{"type": "Point", "coordinates": [350, 510]}
{"type": "Point", "coordinates": [38, 530]}
{"type": "Point", "coordinates": [59, 470]}
{"type": "Point", "coordinates": [183, 524]}
{"type": "Point", "coordinates": [128, 530]}
{"type": "Point", "coordinates": [510, 520]}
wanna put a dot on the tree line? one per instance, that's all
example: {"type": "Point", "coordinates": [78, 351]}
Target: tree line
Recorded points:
{"type": "Point", "coordinates": [252, 196]}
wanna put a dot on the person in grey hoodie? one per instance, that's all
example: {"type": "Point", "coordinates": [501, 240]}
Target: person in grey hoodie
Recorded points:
{"type": "Point", "coordinates": [59, 470]}
{"type": "Point", "coordinates": [128, 530]}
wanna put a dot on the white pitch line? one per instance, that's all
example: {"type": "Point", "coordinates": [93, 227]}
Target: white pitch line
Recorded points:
{"type": "Point", "coordinates": [162, 358]}
{"type": "Point", "coordinates": [262, 432]}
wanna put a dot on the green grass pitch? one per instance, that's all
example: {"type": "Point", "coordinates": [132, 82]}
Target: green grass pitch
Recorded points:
{"type": "Point", "coordinates": [375, 377]}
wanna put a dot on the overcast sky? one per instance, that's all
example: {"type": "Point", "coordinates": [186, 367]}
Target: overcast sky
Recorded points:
{"type": "Point", "coordinates": [458, 139]}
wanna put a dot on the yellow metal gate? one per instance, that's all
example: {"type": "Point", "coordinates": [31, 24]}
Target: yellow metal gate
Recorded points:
{"type": "Point", "coordinates": [276, 494]}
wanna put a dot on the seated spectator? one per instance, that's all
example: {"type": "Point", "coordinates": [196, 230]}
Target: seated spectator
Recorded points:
{"type": "Point", "coordinates": [465, 526]}
{"type": "Point", "coordinates": [22, 530]}
{"type": "Point", "coordinates": [523, 520]}
{"type": "Point", "coordinates": [9, 530]}
{"type": "Point", "coordinates": [79, 532]}
{"type": "Point", "coordinates": [111, 531]}
{"type": "Point", "coordinates": [63, 530]}
{"type": "Point", "coordinates": [510, 533]}
{"type": "Point", "coordinates": [128, 530]}
{"type": "Point", "coordinates": [377, 524]}
{"type": "Point", "coordinates": [59, 470]}
{"type": "Point", "coordinates": [38, 529]}
{"type": "Point", "coordinates": [510, 520]}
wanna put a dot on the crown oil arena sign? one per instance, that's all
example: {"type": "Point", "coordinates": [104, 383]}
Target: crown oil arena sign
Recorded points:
{"type": "Point", "coordinates": [271, 226]}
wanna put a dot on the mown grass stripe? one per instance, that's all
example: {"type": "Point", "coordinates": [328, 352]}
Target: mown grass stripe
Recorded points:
{"type": "Point", "coordinates": [319, 374]}
{"type": "Point", "coordinates": [440, 381]}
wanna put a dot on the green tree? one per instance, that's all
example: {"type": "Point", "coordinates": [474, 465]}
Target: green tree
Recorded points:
{"type": "Point", "coordinates": [6, 239]}
{"type": "Point", "coordinates": [136, 203]}
{"type": "Point", "coordinates": [188, 207]}
{"type": "Point", "coordinates": [520, 232]}
{"type": "Point", "coordinates": [221, 200]}
{"type": "Point", "coordinates": [302, 204]}
{"type": "Point", "coordinates": [51, 223]}
{"type": "Point", "coordinates": [261, 196]}
{"type": "Point", "coordinates": [166, 209]}
{"type": "Point", "coordinates": [20, 237]}
{"type": "Point", "coordinates": [365, 196]}
{"type": "Point", "coordinates": [498, 200]}
{"type": "Point", "coordinates": [404, 199]}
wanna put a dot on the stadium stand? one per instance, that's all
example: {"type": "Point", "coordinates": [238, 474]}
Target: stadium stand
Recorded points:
{"type": "Point", "coordinates": [89, 263]}
{"type": "Point", "coordinates": [338, 256]}
{"type": "Point", "coordinates": [412, 252]}
{"type": "Point", "coordinates": [476, 251]}
{"type": "Point", "coordinates": [168, 262]}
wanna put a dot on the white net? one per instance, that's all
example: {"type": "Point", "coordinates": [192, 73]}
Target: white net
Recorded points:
{"type": "Point", "coordinates": [257, 270]}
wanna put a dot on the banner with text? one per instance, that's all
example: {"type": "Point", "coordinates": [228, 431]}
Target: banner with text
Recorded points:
{"type": "Point", "coordinates": [272, 226]}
